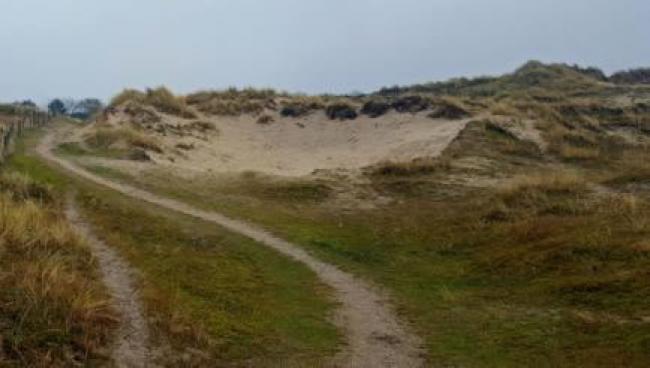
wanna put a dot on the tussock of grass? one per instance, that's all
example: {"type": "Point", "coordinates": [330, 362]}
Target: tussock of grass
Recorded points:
{"type": "Point", "coordinates": [160, 98]}
{"type": "Point", "coordinates": [128, 95]}
{"type": "Point", "coordinates": [578, 153]}
{"type": "Point", "coordinates": [53, 310]}
{"type": "Point", "coordinates": [560, 194]}
{"type": "Point", "coordinates": [22, 187]}
{"type": "Point", "coordinates": [420, 166]}
{"type": "Point", "coordinates": [233, 102]}
{"type": "Point", "coordinates": [106, 138]}
{"type": "Point", "coordinates": [549, 184]}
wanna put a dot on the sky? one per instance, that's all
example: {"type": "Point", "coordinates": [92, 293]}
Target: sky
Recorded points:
{"type": "Point", "coordinates": [95, 48]}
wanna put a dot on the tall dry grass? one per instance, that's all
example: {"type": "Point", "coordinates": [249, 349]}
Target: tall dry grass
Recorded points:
{"type": "Point", "coordinates": [105, 138]}
{"type": "Point", "coordinates": [233, 102]}
{"type": "Point", "coordinates": [160, 98]}
{"type": "Point", "coordinates": [54, 312]}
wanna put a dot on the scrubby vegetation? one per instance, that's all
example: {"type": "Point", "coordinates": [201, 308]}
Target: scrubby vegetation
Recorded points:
{"type": "Point", "coordinates": [633, 76]}
{"type": "Point", "coordinates": [375, 109]}
{"type": "Point", "coordinates": [533, 75]}
{"type": "Point", "coordinates": [300, 106]}
{"type": "Point", "coordinates": [420, 166]}
{"type": "Point", "coordinates": [341, 111]}
{"type": "Point", "coordinates": [54, 311]}
{"type": "Point", "coordinates": [107, 138]}
{"type": "Point", "coordinates": [160, 98]}
{"type": "Point", "coordinates": [233, 102]}
{"type": "Point", "coordinates": [449, 109]}
{"type": "Point", "coordinates": [530, 228]}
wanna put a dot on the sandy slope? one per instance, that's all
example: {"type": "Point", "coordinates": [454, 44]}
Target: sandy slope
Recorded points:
{"type": "Point", "coordinates": [298, 146]}
{"type": "Point", "coordinates": [376, 338]}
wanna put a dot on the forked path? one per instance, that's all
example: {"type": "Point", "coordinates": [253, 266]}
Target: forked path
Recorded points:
{"type": "Point", "coordinates": [131, 348]}
{"type": "Point", "coordinates": [375, 337]}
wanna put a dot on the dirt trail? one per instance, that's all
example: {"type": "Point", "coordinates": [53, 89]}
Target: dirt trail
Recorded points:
{"type": "Point", "coordinates": [375, 337]}
{"type": "Point", "coordinates": [130, 349]}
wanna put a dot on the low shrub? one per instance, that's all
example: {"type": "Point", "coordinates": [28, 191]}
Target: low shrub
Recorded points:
{"type": "Point", "coordinates": [375, 109]}
{"type": "Point", "coordinates": [411, 104]}
{"type": "Point", "coordinates": [341, 111]}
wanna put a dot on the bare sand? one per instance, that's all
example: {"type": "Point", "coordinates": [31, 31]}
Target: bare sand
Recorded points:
{"type": "Point", "coordinates": [299, 146]}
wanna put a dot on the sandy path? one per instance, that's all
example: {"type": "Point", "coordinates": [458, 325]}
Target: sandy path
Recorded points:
{"type": "Point", "coordinates": [130, 349]}
{"type": "Point", "coordinates": [375, 337]}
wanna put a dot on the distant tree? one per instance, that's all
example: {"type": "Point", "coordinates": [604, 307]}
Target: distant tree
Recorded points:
{"type": "Point", "coordinates": [57, 107]}
{"type": "Point", "coordinates": [632, 76]}
{"type": "Point", "coordinates": [27, 103]}
{"type": "Point", "coordinates": [86, 108]}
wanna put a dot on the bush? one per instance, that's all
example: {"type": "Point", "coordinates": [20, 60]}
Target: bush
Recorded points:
{"type": "Point", "coordinates": [412, 104]}
{"type": "Point", "coordinates": [375, 109]}
{"type": "Point", "coordinates": [301, 106]}
{"type": "Point", "coordinates": [341, 111]}
{"type": "Point", "coordinates": [633, 76]}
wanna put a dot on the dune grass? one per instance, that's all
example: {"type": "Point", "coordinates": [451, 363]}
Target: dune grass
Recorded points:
{"type": "Point", "coordinates": [160, 98]}
{"type": "Point", "coordinates": [543, 270]}
{"type": "Point", "coordinates": [104, 138]}
{"type": "Point", "coordinates": [54, 310]}
{"type": "Point", "coordinates": [548, 273]}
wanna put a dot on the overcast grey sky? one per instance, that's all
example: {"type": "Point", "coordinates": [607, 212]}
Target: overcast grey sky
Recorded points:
{"type": "Point", "coordinates": [81, 48]}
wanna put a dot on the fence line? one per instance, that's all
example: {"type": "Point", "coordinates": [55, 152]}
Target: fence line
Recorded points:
{"type": "Point", "coordinates": [12, 126]}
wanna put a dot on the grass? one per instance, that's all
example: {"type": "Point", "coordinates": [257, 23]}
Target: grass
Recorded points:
{"type": "Point", "coordinates": [54, 310]}
{"type": "Point", "coordinates": [233, 102]}
{"type": "Point", "coordinates": [107, 141]}
{"type": "Point", "coordinates": [160, 98]}
{"type": "Point", "coordinates": [526, 279]}
{"type": "Point", "coordinates": [541, 271]}
{"type": "Point", "coordinates": [422, 166]}
{"type": "Point", "coordinates": [215, 297]}
{"type": "Point", "coordinates": [548, 269]}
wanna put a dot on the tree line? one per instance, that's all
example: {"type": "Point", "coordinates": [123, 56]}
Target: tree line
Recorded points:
{"type": "Point", "coordinates": [83, 109]}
